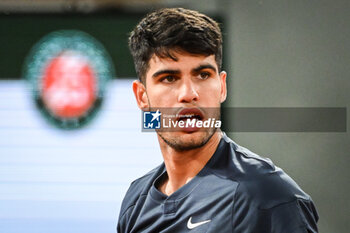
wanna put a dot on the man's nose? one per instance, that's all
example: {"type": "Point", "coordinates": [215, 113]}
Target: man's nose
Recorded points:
{"type": "Point", "coordinates": [187, 92]}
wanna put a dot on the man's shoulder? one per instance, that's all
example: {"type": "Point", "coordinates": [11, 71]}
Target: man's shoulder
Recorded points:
{"type": "Point", "coordinates": [139, 187]}
{"type": "Point", "coordinates": [240, 164]}
{"type": "Point", "coordinates": [265, 193]}
{"type": "Point", "coordinates": [260, 181]}
{"type": "Point", "coordinates": [249, 163]}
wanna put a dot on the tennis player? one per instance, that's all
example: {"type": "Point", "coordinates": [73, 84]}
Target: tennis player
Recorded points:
{"type": "Point", "coordinates": [207, 182]}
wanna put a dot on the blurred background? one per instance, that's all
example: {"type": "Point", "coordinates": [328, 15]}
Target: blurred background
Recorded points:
{"type": "Point", "coordinates": [277, 53]}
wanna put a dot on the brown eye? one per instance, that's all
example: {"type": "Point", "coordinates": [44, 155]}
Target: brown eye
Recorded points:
{"type": "Point", "coordinates": [204, 75]}
{"type": "Point", "coordinates": [168, 79]}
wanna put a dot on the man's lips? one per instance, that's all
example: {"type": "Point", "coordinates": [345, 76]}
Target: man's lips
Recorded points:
{"type": "Point", "coordinates": [189, 113]}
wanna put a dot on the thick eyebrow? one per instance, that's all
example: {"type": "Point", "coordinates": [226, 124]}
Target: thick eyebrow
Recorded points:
{"type": "Point", "coordinates": [202, 67]}
{"type": "Point", "coordinates": [160, 72]}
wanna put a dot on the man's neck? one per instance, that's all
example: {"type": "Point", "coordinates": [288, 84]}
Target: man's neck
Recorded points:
{"type": "Point", "coordinates": [182, 166]}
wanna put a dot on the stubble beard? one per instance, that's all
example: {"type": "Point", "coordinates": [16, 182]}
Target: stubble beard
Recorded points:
{"type": "Point", "coordinates": [180, 143]}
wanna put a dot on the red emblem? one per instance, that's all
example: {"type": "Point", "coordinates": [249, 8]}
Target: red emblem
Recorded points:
{"type": "Point", "coordinates": [69, 85]}
{"type": "Point", "coordinates": [68, 71]}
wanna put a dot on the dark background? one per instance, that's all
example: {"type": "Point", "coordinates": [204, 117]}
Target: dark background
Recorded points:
{"type": "Point", "coordinates": [19, 32]}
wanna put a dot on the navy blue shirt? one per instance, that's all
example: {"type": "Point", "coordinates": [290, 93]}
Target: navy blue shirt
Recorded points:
{"type": "Point", "coordinates": [237, 191]}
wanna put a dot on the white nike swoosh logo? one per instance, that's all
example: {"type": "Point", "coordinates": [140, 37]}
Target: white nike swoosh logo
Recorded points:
{"type": "Point", "coordinates": [191, 225]}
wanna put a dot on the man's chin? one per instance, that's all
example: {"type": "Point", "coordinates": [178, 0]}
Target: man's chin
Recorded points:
{"type": "Point", "coordinates": [183, 140]}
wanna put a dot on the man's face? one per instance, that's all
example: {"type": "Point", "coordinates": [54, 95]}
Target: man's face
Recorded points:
{"type": "Point", "coordinates": [191, 82]}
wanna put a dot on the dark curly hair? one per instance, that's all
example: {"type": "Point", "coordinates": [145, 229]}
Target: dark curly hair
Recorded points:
{"type": "Point", "coordinates": [174, 29]}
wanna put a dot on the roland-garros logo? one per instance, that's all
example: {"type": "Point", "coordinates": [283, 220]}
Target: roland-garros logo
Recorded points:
{"type": "Point", "coordinates": [68, 72]}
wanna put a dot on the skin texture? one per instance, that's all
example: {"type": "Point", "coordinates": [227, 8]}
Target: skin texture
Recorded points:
{"type": "Point", "coordinates": [193, 81]}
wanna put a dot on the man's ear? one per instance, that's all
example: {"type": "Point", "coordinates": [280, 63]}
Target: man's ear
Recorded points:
{"type": "Point", "coordinates": [140, 94]}
{"type": "Point", "coordinates": [223, 92]}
